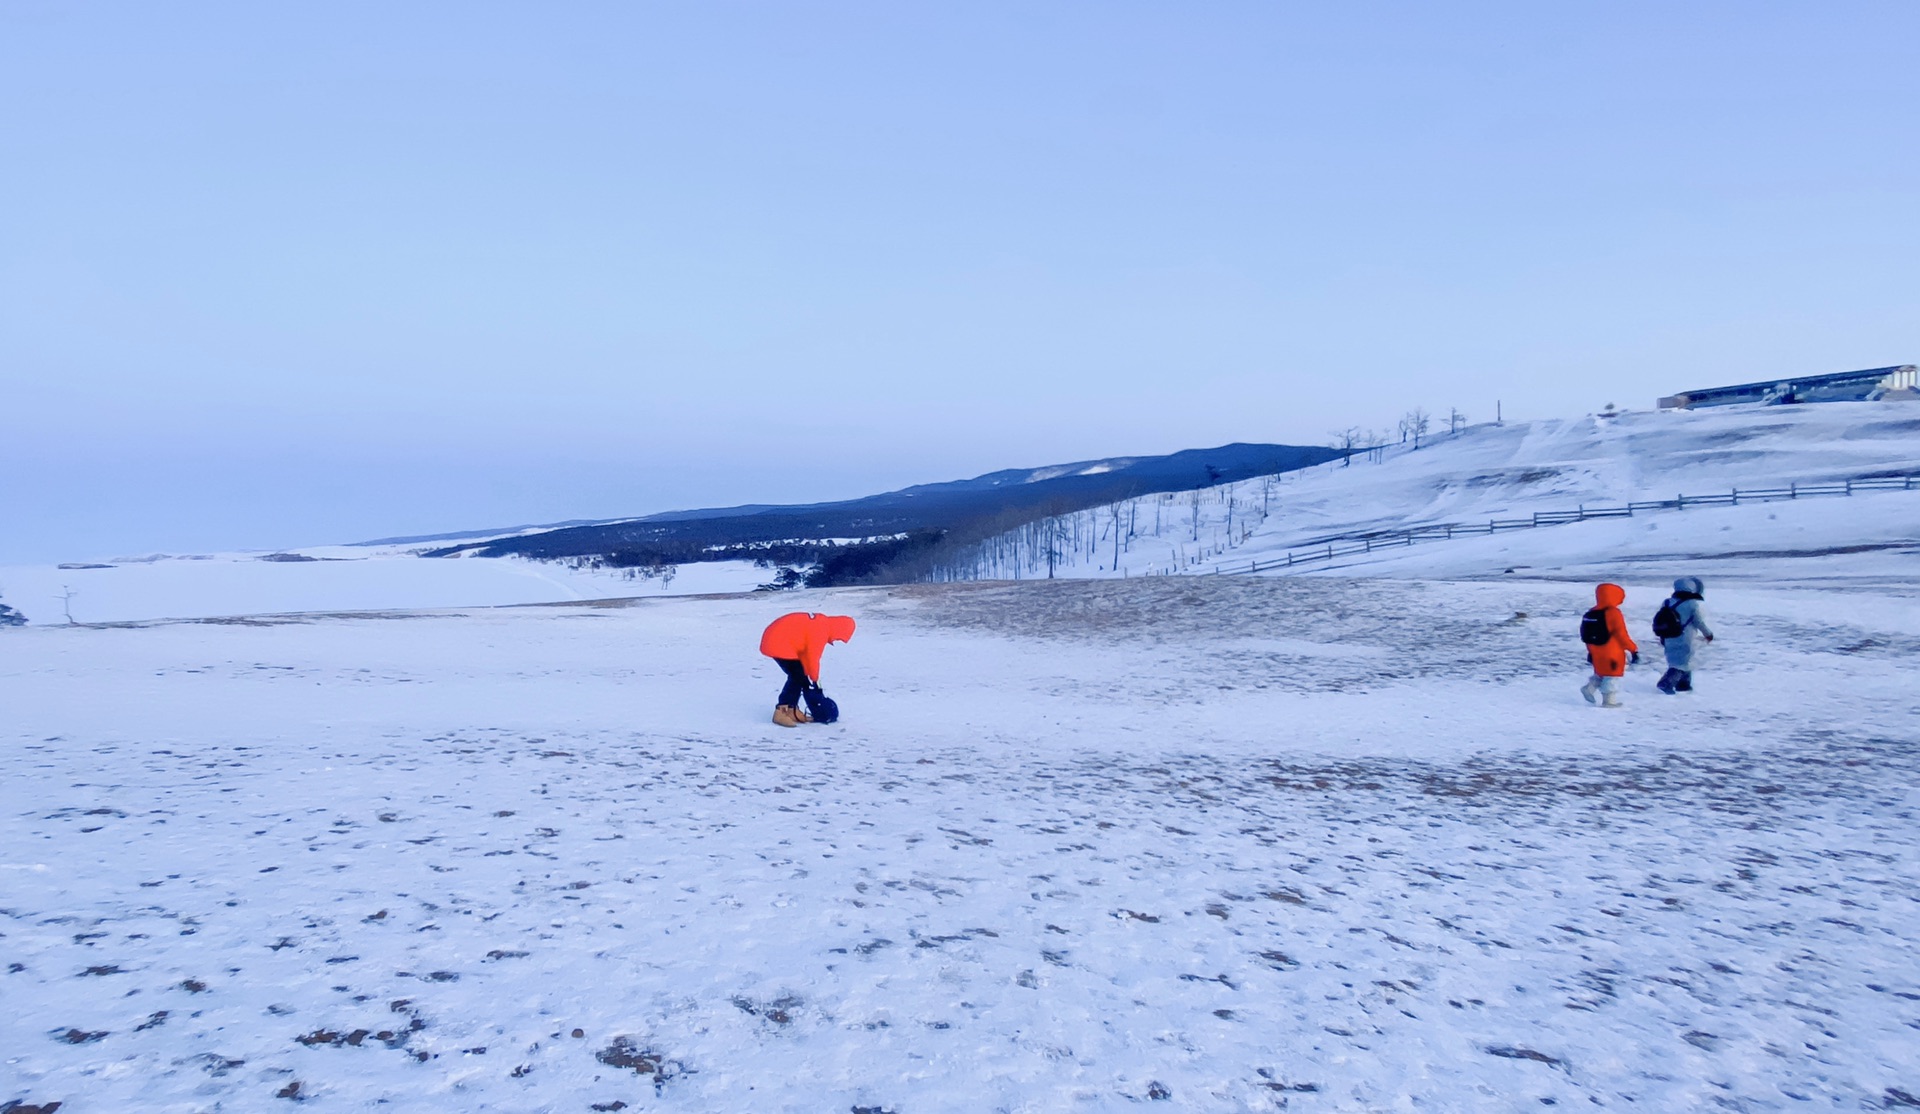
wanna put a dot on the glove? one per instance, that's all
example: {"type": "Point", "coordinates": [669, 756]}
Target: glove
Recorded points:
{"type": "Point", "coordinates": [1636, 658]}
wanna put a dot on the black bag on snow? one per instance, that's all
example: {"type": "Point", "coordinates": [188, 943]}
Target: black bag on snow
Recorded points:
{"type": "Point", "coordinates": [1666, 622]}
{"type": "Point", "coordinates": [1593, 628]}
{"type": "Point", "coordinates": [820, 706]}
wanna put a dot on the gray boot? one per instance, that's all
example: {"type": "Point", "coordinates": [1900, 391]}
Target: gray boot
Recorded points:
{"type": "Point", "coordinates": [1590, 688]}
{"type": "Point", "coordinates": [1611, 700]}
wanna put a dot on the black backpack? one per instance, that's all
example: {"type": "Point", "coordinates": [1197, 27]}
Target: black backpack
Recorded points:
{"type": "Point", "coordinates": [1593, 628]}
{"type": "Point", "coordinates": [1666, 622]}
{"type": "Point", "coordinates": [820, 706]}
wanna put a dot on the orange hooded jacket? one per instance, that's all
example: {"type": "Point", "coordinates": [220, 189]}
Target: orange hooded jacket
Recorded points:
{"type": "Point", "coordinates": [804, 636]}
{"type": "Point", "coordinates": [1610, 658]}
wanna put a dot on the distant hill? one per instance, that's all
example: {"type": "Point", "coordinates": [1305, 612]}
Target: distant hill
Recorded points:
{"type": "Point", "coordinates": [858, 539]}
{"type": "Point", "coordinates": [1514, 471]}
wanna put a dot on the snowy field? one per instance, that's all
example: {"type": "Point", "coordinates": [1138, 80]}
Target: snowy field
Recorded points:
{"type": "Point", "coordinates": [1234, 843]}
{"type": "Point", "coordinates": [330, 578]}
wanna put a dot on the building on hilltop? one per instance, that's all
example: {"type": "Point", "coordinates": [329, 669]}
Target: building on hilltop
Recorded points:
{"type": "Point", "coordinates": [1846, 386]}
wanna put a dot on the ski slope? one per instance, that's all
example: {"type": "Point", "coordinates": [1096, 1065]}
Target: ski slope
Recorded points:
{"type": "Point", "coordinates": [1511, 471]}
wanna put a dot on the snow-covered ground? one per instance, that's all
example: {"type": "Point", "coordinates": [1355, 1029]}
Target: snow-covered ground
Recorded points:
{"type": "Point", "coordinates": [1316, 842]}
{"type": "Point", "coordinates": [336, 578]}
{"type": "Point", "coordinates": [1505, 472]}
{"type": "Point", "coordinates": [1236, 843]}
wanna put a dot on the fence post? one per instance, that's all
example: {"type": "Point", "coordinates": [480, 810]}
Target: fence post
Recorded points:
{"type": "Point", "coordinates": [1329, 551]}
{"type": "Point", "coordinates": [1680, 502]}
{"type": "Point", "coordinates": [1849, 487]}
{"type": "Point", "coordinates": [1736, 496]}
{"type": "Point", "coordinates": [1793, 490]}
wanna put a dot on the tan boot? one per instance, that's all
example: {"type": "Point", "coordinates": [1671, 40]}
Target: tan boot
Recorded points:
{"type": "Point", "coordinates": [783, 715]}
{"type": "Point", "coordinates": [800, 714]}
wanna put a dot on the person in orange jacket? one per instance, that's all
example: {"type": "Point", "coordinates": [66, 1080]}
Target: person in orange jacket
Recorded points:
{"type": "Point", "coordinates": [1609, 646]}
{"type": "Point", "coordinates": [795, 642]}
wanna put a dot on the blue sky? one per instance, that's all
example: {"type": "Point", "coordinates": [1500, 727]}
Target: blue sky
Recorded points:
{"type": "Point", "coordinates": [287, 274]}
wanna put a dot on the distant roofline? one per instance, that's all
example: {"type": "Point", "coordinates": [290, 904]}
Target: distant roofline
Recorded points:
{"type": "Point", "coordinates": [1709, 395]}
{"type": "Point", "coordinates": [1829, 379]}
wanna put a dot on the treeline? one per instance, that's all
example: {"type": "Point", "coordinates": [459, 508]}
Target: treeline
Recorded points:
{"type": "Point", "coordinates": [1148, 535]}
{"type": "Point", "coordinates": [828, 564]}
{"type": "Point", "coordinates": [925, 532]}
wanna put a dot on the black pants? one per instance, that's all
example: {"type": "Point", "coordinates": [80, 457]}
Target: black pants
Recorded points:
{"type": "Point", "coordinates": [797, 682]}
{"type": "Point", "coordinates": [1676, 680]}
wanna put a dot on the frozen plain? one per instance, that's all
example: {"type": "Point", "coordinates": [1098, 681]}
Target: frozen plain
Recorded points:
{"type": "Point", "coordinates": [1231, 843]}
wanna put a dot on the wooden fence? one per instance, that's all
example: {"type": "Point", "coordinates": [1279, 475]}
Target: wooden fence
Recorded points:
{"type": "Point", "coordinates": [1349, 545]}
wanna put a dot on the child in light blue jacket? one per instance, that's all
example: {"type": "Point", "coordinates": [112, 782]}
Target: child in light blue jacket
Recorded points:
{"type": "Point", "coordinates": [1687, 606]}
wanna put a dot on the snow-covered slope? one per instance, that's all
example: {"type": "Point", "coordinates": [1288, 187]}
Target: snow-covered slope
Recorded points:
{"type": "Point", "coordinates": [1501, 471]}
{"type": "Point", "coordinates": [1511, 471]}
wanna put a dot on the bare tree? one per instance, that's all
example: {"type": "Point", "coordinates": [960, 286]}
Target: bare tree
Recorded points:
{"type": "Point", "coordinates": [1416, 422]}
{"type": "Point", "coordinates": [66, 602]}
{"type": "Point", "coordinates": [1194, 498]}
{"type": "Point", "coordinates": [1345, 440]}
{"type": "Point", "coordinates": [1455, 419]}
{"type": "Point", "coordinates": [1055, 533]}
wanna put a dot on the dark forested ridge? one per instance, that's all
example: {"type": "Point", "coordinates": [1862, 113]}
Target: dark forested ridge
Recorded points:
{"type": "Point", "coordinates": [858, 540]}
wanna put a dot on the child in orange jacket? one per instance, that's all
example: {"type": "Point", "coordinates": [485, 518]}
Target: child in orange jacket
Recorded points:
{"type": "Point", "coordinates": [1609, 646]}
{"type": "Point", "coordinates": [795, 642]}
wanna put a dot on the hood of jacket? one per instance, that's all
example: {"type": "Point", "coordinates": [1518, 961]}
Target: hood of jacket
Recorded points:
{"type": "Point", "coordinates": [1690, 584]}
{"type": "Point", "coordinates": [1609, 595]}
{"type": "Point", "coordinates": [839, 628]}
